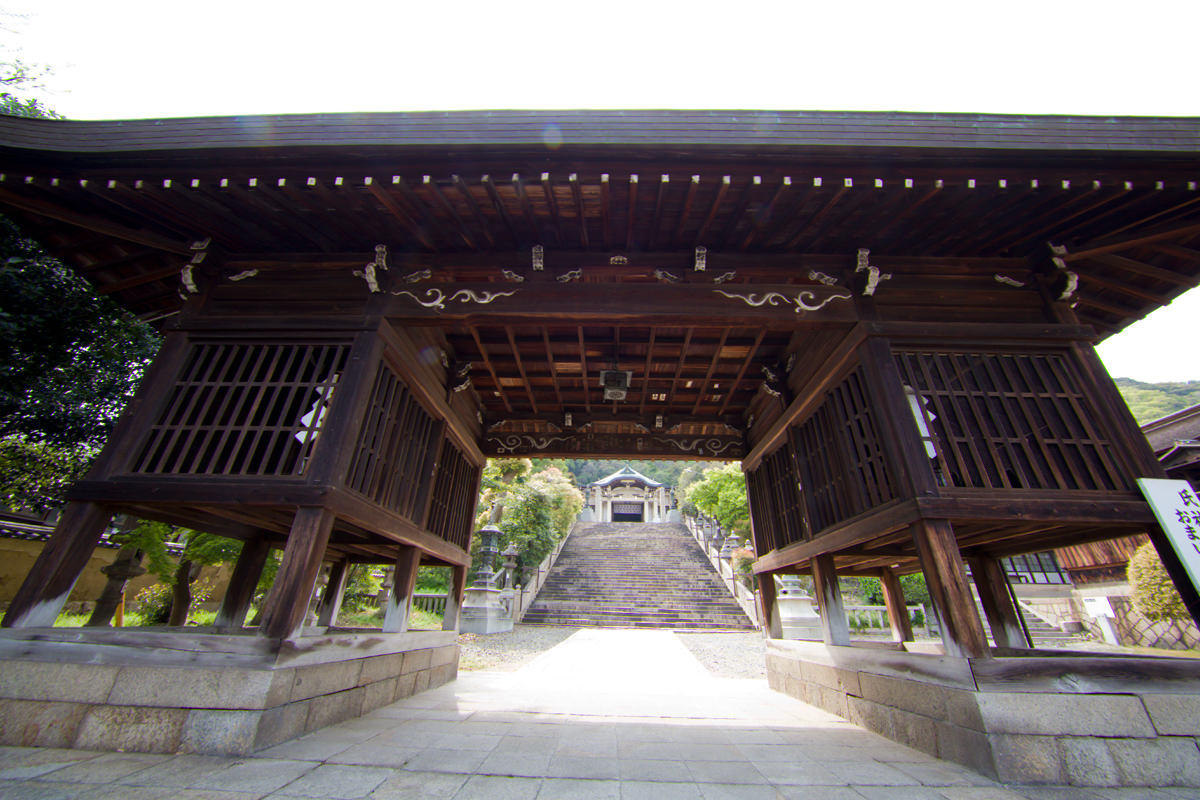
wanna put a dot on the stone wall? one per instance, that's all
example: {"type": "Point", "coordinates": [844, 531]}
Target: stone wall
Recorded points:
{"type": "Point", "coordinates": [225, 704]}
{"type": "Point", "coordinates": [1134, 629]}
{"type": "Point", "coordinates": [1078, 720]}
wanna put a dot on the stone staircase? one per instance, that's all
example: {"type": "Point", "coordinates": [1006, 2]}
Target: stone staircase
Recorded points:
{"type": "Point", "coordinates": [635, 575]}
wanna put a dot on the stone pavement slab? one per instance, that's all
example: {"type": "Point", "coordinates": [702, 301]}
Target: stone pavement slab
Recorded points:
{"type": "Point", "coordinates": [605, 714]}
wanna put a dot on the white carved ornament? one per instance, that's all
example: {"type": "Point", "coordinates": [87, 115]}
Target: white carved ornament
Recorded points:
{"type": "Point", "coordinates": [436, 298]}
{"type": "Point", "coordinates": [804, 301]}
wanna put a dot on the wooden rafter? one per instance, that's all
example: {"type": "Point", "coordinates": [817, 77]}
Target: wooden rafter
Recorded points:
{"type": "Point", "coordinates": [765, 217]}
{"type": "Point", "coordinates": [552, 205]}
{"type": "Point", "coordinates": [685, 210]}
{"type": "Point", "coordinates": [587, 395]}
{"type": "Point", "coordinates": [399, 213]}
{"type": "Point", "coordinates": [465, 191]}
{"type": "Point", "coordinates": [501, 209]}
{"type": "Point", "coordinates": [518, 184]}
{"type": "Point", "coordinates": [664, 185]}
{"type": "Point", "coordinates": [516, 351]}
{"type": "Point", "coordinates": [741, 373]}
{"type": "Point", "coordinates": [552, 366]}
{"type": "Point", "coordinates": [487, 362]}
{"type": "Point", "coordinates": [646, 371]}
{"type": "Point", "coordinates": [713, 208]}
{"type": "Point", "coordinates": [577, 195]}
{"type": "Point", "coordinates": [460, 228]}
{"type": "Point", "coordinates": [712, 366]}
{"type": "Point", "coordinates": [631, 214]}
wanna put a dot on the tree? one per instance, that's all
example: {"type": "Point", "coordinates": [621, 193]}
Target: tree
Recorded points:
{"type": "Point", "coordinates": [69, 359]}
{"type": "Point", "coordinates": [1154, 594]}
{"type": "Point", "coordinates": [721, 494]}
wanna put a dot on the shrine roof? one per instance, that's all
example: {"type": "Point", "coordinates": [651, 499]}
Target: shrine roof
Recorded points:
{"type": "Point", "coordinates": [625, 473]}
{"type": "Point", "coordinates": [122, 201]}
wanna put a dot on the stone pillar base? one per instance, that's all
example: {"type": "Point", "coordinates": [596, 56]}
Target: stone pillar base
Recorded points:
{"type": "Point", "coordinates": [1030, 717]}
{"type": "Point", "coordinates": [179, 691]}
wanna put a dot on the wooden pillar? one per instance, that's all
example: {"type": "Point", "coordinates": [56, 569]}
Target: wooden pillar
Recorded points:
{"type": "Point", "coordinates": [454, 599]}
{"type": "Point", "coordinates": [897, 608]}
{"type": "Point", "coordinates": [834, 628]}
{"type": "Point", "coordinates": [768, 609]}
{"type": "Point", "coordinates": [242, 583]}
{"type": "Point", "coordinates": [404, 580]}
{"type": "Point", "coordinates": [1002, 615]}
{"type": "Point", "coordinates": [287, 603]}
{"type": "Point", "coordinates": [946, 577]}
{"type": "Point", "coordinates": [49, 582]}
{"type": "Point", "coordinates": [331, 598]}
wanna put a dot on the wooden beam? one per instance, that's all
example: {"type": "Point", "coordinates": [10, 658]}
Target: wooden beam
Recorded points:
{"type": "Point", "coordinates": [713, 208]}
{"type": "Point", "coordinates": [1147, 270]}
{"type": "Point", "coordinates": [459, 226]}
{"type": "Point", "coordinates": [575, 444]}
{"type": "Point", "coordinates": [389, 203]}
{"type": "Point", "coordinates": [897, 607]}
{"type": "Point", "coordinates": [1137, 241]}
{"type": "Point", "coordinates": [287, 602]}
{"type": "Point", "coordinates": [501, 209]}
{"type": "Point", "coordinates": [527, 210]}
{"type": "Point", "coordinates": [685, 211]}
{"type": "Point", "coordinates": [552, 204]}
{"type": "Point", "coordinates": [242, 583]}
{"type": "Point", "coordinates": [93, 223]}
{"type": "Point", "coordinates": [573, 180]}
{"type": "Point", "coordinates": [331, 599]}
{"type": "Point", "coordinates": [945, 575]}
{"type": "Point", "coordinates": [516, 351]}
{"type": "Point", "coordinates": [712, 366]}
{"type": "Point", "coordinates": [469, 199]}
{"type": "Point", "coordinates": [834, 627]}
{"type": "Point", "coordinates": [659, 201]}
{"type": "Point", "coordinates": [631, 215]}
{"type": "Point", "coordinates": [404, 579]}
{"type": "Point", "coordinates": [994, 594]}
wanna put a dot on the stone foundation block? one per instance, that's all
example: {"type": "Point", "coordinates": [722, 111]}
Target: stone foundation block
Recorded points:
{"type": "Point", "coordinates": [1028, 759]}
{"type": "Point", "coordinates": [38, 723]}
{"type": "Point", "coordinates": [1174, 714]}
{"type": "Point", "coordinates": [443, 655]}
{"type": "Point", "coordinates": [964, 746]}
{"type": "Point", "coordinates": [1165, 761]}
{"type": "Point", "coordinates": [141, 730]}
{"type": "Point", "coordinates": [201, 687]}
{"type": "Point", "coordinates": [422, 681]}
{"type": "Point", "coordinates": [416, 660]}
{"type": "Point", "coordinates": [914, 730]}
{"type": "Point", "coordinates": [378, 694]}
{"type": "Point", "coordinates": [323, 679]}
{"type": "Point", "coordinates": [872, 716]}
{"type": "Point", "coordinates": [281, 723]}
{"type": "Point", "coordinates": [1087, 761]}
{"type": "Point", "coordinates": [406, 686]}
{"type": "Point", "coordinates": [380, 667]}
{"type": "Point", "coordinates": [39, 680]}
{"type": "Point", "coordinates": [921, 698]}
{"type": "Point", "coordinates": [1051, 714]}
{"type": "Point", "coordinates": [215, 732]}
{"type": "Point", "coordinates": [330, 709]}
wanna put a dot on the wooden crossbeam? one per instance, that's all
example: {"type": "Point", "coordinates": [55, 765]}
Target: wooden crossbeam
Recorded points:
{"type": "Point", "coordinates": [1137, 241]}
{"type": "Point", "coordinates": [92, 223]}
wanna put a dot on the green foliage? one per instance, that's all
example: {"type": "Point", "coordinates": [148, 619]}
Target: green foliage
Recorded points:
{"type": "Point", "coordinates": [153, 604]}
{"type": "Point", "coordinates": [362, 588]}
{"type": "Point", "coordinates": [721, 493]}
{"type": "Point", "coordinates": [69, 359]}
{"type": "Point", "coordinates": [1154, 595]}
{"type": "Point", "coordinates": [1149, 401]}
{"type": "Point", "coordinates": [914, 588]}
{"type": "Point", "coordinates": [432, 580]}
{"type": "Point", "coordinates": [564, 500]}
{"type": "Point", "coordinates": [35, 476]}
{"type": "Point", "coordinates": [151, 538]}
{"type": "Point", "coordinates": [209, 549]}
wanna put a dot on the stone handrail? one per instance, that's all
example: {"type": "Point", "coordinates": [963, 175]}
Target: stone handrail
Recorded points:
{"type": "Point", "coordinates": [523, 596]}
{"type": "Point", "coordinates": [430, 602]}
{"type": "Point", "coordinates": [746, 598]}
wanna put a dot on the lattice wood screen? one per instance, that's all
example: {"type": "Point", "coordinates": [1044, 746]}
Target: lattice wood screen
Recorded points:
{"type": "Point", "coordinates": [454, 493]}
{"type": "Point", "coordinates": [775, 502]}
{"type": "Point", "coordinates": [1011, 421]}
{"type": "Point", "coordinates": [840, 457]}
{"type": "Point", "coordinates": [393, 457]}
{"type": "Point", "coordinates": [244, 409]}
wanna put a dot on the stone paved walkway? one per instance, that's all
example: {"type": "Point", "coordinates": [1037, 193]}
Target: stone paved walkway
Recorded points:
{"type": "Point", "coordinates": [605, 714]}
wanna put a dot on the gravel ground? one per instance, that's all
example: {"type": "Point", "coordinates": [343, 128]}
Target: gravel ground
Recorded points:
{"type": "Point", "coordinates": [505, 652]}
{"type": "Point", "coordinates": [729, 655]}
{"type": "Point", "coordinates": [726, 655]}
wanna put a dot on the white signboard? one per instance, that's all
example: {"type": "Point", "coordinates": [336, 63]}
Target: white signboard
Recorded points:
{"type": "Point", "coordinates": [1178, 511]}
{"type": "Point", "coordinates": [1098, 607]}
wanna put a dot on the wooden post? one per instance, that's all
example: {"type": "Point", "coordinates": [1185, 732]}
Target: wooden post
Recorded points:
{"type": "Point", "coordinates": [897, 608]}
{"type": "Point", "coordinates": [946, 577]}
{"type": "Point", "coordinates": [49, 582]}
{"type": "Point", "coordinates": [458, 584]}
{"type": "Point", "coordinates": [834, 629]}
{"type": "Point", "coordinates": [1002, 615]}
{"type": "Point", "coordinates": [768, 609]}
{"type": "Point", "coordinates": [287, 603]}
{"type": "Point", "coordinates": [331, 599]}
{"type": "Point", "coordinates": [399, 605]}
{"type": "Point", "coordinates": [242, 582]}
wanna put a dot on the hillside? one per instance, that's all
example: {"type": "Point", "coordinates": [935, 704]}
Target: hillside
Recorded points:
{"type": "Point", "coordinates": [1149, 401]}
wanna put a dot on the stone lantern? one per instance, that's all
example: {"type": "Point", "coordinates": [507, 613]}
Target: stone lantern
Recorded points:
{"type": "Point", "coordinates": [482, 611]}
{"type": "Point", "coordinates": [797, 616]}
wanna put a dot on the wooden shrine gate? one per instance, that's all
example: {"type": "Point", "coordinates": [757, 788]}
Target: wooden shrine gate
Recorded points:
{"type": "Point", "coordinates": [889, 318]}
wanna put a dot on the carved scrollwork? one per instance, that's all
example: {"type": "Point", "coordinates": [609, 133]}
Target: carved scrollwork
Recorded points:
{"type": "Point", "coordinates": [513, 442]}
{"type": "Point", "coordinates": [187, 274]}
{"type": "Point", "coordinates": [437, 299]}
{"type": "Point", "coordinates": [804, 301]}
{"type": "Point", "coordinates": [509, 275]}
{"type": "Point", "coordinates": [568, 277]}
{"type": "Point", "coordinates": [665, 277]}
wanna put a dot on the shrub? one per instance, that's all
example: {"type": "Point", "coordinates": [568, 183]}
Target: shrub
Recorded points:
{"type": "Point", "coordinates": [1154, 595]}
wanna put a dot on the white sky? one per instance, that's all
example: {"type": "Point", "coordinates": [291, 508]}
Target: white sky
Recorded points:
{"type": "Point", "coordinates": [132, 58]}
